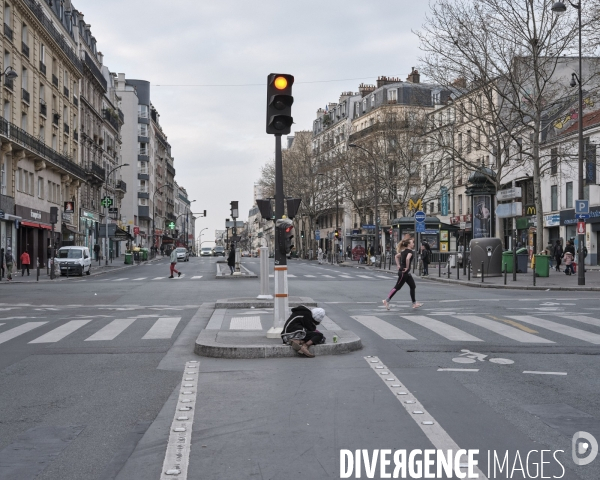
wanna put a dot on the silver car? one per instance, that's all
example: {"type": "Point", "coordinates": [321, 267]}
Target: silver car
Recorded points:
{"type": "Point", "coordinates": [182, 254]}
{"type": "Point", "coordinates": [206, 252]}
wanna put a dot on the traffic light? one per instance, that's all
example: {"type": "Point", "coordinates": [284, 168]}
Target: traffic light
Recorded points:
{"type": "Point", "coordinates": [279, 103]}
{"type": "Point", "coordinates": [337, 234]}
{"type": "Point", "coordinates": [204, 213]}
{"type": "Point", "coordinates": [286, 233]}
{"type": "Point", "coordinates": [234, 210]}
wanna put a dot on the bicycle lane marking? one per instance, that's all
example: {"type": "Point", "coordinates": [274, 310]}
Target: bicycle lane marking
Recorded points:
{"type": "Point", "coordinates": [428, 425]}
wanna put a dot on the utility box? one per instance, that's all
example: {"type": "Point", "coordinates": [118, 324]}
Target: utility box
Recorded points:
{"type": "Point", "coordinates": [488, 251]}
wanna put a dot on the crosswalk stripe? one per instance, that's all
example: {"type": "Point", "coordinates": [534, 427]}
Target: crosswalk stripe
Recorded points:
{"type": "Point", "coordinates": [158, 278]}
{"type": "Point", "coordinates": [365, 276]}
{"type": "Point", "coordinates": [20, 330]}
{"type": "Point", "coordinates": [345, 276]}
{"type": "Point", "coordinates": [502, 329]}
{"type": "Point", "coordinates": [383, 329]}
{"type": "Point", "coordinates": [310, 276]}
{"type": "Point", "coordinates": [110, 331]}
{"type": "Point", "coordinates": [139, 279]}
{"type": "Point", "coordinates": [196, 277]}
{"type": "Point", "coordinates": [387, 277]}
{"type": "Point", "coordinates": [61, 332]}
{"type": "Point", "coordinates": [582, 319]}
{"type": "Point", "coordinates": [120, 279]}
{"type": "Point", "coordinates": [290, 275]}
{"type": "Point", "coordinates": [559, 328]}
{"type": "Point", "coordinates": [180, 276]}
{"type": "Point", "coordinates": [327, 276]}
{"type": "Point", "coordinates": [162, 328]}
{"type": "Point", "coordinates": [1, 324]}
{"type": "Point", "coordinates": [443, 329]}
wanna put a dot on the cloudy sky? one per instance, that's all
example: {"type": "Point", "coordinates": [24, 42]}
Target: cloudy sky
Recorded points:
{"type": "Point", "coordinates": [192, 51]}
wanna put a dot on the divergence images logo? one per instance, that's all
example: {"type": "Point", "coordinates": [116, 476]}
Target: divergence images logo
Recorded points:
{"type": "Point", "coordinates": [583, 447]}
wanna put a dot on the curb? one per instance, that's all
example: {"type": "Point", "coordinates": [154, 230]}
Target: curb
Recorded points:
{"type": "Point", "coordinates": [512, 287]}
{"type": "Point", "coordinates": [260, 303]}
{"type": "Point", "coordinates": [207, 346]}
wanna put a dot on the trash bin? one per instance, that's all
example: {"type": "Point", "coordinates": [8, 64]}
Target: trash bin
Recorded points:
{"type": "Point", "coordinates": [144, 252]}
{"type": "Point", "coordinates": [507, 261]}
{"type": "Point", "coordinates": [136, 256]}
{"type": "Point", "coordinates": [542, 265]}
{"type": "Point", "coordinates": [522, 261]}
{"type": "Point", "coordinates": [128, 259]}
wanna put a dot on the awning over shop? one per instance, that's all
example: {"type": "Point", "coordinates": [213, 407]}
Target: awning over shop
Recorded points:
{"type": "Point", "coordinates": [25, 223]}
{"type": "Point", "coordinates": [114, 232]}
{"type": "Point", "coordinates": [70, 228]}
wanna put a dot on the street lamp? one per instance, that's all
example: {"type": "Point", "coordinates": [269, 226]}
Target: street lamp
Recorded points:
{"type": "Point", "coordinates": [336, 209]}
{"type": "Point", "coordinates": [353, 145]}
{"type": "Point", "coordinates": [106, 208]}
{"type": "Point", "coordinates": [10, 73]}
{"type": "Point", "coordinates": [185, 227]}
{"type": "Point", "coordinates": [576, 80]}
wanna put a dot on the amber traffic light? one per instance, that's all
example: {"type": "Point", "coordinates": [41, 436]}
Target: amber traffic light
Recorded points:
{"type": "Point", "coordinates": [279, 103]}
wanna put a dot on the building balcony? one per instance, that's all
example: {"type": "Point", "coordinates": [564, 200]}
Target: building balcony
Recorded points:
{"type": "Point", "coordinates": [43, 68]}
{"type": "Point", "coordinates": [66, 128]}
{"type": "Point", "coordinates": [75, 136]}
{"type": "Point", "coordinates": [43, 108]}
{"type": "Point", "coordinates": [111, 117]}
{"type": "Point", "coordinates": [143, 211]}
{"type": "Point", "coordinates": [143, 195]}
{"type": "Point", "coordinates": [55, 80]}
{"type": "Point", "coordinates": [142, 139]}
{"type": "Point", "coordinates": [75, 101]}
{"type": "Point", "coordinates": [66, 92]}
{"type": "Point", "coordinates": [95, 71]}
{"type": "Point", "coordinates": [121, 115]}
{"type": "Point", "coordinates": [8, 32]}
{"type": "Point", "coordinates": [121, 185]}
{"type": "Point", "coordinates": [170, 169]}
{"type": "Point", "coordinates": [25, 95]}
{"type": "Point", "coordinates": [143, 176]}
{"type": "Point", "coordinates": [8, 83]}
{"type": "Point", "coordinates": [95, 173]}
{"type": "Point", "coordinates": [25, 49]}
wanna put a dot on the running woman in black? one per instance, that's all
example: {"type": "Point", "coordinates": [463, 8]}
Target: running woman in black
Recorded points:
{"type": "Point", "coordinates": [403, 260]}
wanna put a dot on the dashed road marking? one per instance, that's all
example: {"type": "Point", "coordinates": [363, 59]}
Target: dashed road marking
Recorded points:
{"type": "Point", "coordinates": [544, 373]}
{"type": "Point", "coordinates": [61, 332]}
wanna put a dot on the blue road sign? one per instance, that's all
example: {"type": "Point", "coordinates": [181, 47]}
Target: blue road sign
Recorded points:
{"type": "Point", "coordinates": [582, 206]}
{"type": "Point", "coordinates": [420, 216]}
{"type": "Point", "coordinates": [420, 227]}
{"type": "Point", "coordinates": [317, 234]}
{"type": "Point", "coordinates": [582, 216]}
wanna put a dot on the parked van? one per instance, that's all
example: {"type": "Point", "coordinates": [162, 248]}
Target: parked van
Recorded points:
{"type": "Point", "coordinates": [74, 260]}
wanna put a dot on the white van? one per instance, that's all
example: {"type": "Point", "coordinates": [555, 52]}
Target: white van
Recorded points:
{"type": "Point", "coordinates": [74, 260]}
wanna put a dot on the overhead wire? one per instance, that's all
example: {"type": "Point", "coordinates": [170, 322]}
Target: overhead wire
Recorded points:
{"type": "Point", "coordinates": [258, 84]}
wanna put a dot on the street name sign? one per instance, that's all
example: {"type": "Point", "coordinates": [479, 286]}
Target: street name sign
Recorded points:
{"type": "Point", "coordinates": [582, 206]}
{"type": "Point", "coordinates": [420, 216]}
{"type": "Point", "coordinates": [509, 194]}
{"type": "Point", "coordinates": [508, 210]}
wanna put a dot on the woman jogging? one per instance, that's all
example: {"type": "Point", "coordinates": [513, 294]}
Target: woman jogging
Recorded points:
{"type": "Point", "coordinates": [403, 259]}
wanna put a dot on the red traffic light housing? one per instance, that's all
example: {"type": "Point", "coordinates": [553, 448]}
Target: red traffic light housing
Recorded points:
{"type": "Point", "coordinates": [279, 103]}
{"type": "Point", "coordinates": [285, 234]}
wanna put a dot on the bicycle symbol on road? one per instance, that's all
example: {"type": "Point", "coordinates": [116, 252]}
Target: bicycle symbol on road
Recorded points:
{"type": "Point", "coordinates": [472, 357]}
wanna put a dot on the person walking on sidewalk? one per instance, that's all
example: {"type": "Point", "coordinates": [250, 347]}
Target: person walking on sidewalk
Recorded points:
{"type": "Point", "coordinates": [320, 256]}
{"type": "Point", "coordinates": [9, 260]}
{"type": "Point", "coordinates": [173, 263]}
{"type": "Point", "coordinates": [403, 260]}
{"type": "Point", "coordinates": [25, 261]}
{"type": "Point", "coordinates": [300, 329]}
{"type": "Point", "coordinates": [550, 252]}
{"type": "Point", "coordinates": [558, 253]}
{"type": "Point", "coordinates": [97, 251]}
{"type": "Point", "coordinates": [425, 258]}
{"type": "Point", "coordinates": [231, 259]}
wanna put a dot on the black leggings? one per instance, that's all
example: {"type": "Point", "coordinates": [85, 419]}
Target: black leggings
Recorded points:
{"type": "Point", "coordinates": [316, 337]}
{"type": "Point", "coordinates": [403, 278]}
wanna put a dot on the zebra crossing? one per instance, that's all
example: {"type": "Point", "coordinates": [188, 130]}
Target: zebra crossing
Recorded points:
{"type": "Point", "coordinates": [338, 276]}
{"type": "Point", "coordinates": [554, 329]}
{"type": "Point", "coordinates": [141, 279]}
{"type": "Point", "coordinates": [94, 329]}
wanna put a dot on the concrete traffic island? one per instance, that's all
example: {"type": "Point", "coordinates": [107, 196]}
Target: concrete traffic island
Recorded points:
{"type": "Point", "coordinates": [224, 272]}
{"type": "Point", "coordinates": [241, 332]}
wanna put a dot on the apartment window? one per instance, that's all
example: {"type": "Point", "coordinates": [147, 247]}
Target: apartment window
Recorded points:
{"type": "Point", "coordinates": [460, 143]}
{"type": "Point", "coordinates": [469, 139]}
{"type": "Point", "coordinates": [6, 110]}
{"type": "Point", "coordinates": [554, 198]}
{"type": "Point", "coordinates": [7, 14]}
{"type": "Point", "coordinates": [42, 53]}
{"type": "Point", "coordinates": [554, 161]}
{"type": "Point", "coordinates": [54, 140]}
{"type": "Point", "coordinates": [520, 149]}
{"type": "Point", "coordinates": [142, 130]}
{"type": "Point", "coordinates": [42, 135]}
{"type": "Point", "coordinates": [30, 185]}
{"type": "Point", "coordinates": [569, 195]}
{"type": "Point", "coordinates": [6, 59]}
{"type": "Point", "coordinates": [372, 100]}
{"type": "Point", "coordinates": [143, 111]}
{"type": "Point", "coordinates": [24, 121]}
{"type": "Point", "coordinates": [357, 108]}
{"type": "Point", "coordinates": [431, 210]}
{"type": "Point", "coordinates": [3, 178]}
{"type": "Point", "coordinates": [40, 189]}
{"type": "Point", "coordinates": [25, 35]}
{"type": "Point", "coordinates": [460, 205]}
{"type": "Point", "coordinates": [478, 141]}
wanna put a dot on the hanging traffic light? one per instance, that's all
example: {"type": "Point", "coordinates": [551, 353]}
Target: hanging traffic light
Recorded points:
{"type": "Point", "coordinates": [279, 103]}
{"type": "Point", "coordinates": [301, 233]}
{"type": "Point", "coordinates": [337, 234]}
{"type": "Point", "coordinates": [285, 235]}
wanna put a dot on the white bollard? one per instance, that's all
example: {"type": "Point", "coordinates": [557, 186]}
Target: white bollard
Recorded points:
{"type": "Point", "coordinates": [264, 274]}
{"type": "Point", "coordinates": [238, 257]}
{"type": "Point", "coordinates": [281, 303]}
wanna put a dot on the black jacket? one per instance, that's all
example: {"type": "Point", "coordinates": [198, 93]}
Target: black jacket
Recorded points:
{"type": "Point", "coordinates": [301, 320]}
{"type": "Point", "coordinates": [569, 248]}
{"type": "Point", "coordinates": [231, 258]}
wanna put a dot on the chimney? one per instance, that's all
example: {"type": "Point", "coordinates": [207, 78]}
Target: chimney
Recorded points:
{"type": "Point", "coordinates": [381, 81]}
{"type": "Point", "coordinates": [414, 76]}
{"type": "Point", "coordinates": [121, 81]}
{"type": "Point", "coordinates": [100, 57]}
{"type": "Point", "coordinates": [365, 89]}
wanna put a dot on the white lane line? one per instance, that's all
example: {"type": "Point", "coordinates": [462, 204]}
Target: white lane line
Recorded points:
{"type": "Point", "coordinates": [139, 279]}
{"type": "Point", "coordinates": [388, 277]}
{"type": "Point", "coordinates": [120, 279]}
{"type": "Point", "coordinates": [310, 276]}
{"type": "Point", "coordinates": [329, 324]}
{"type": "Point", "coordinates": [365, 276]}
{"type": "Point", "coordinates": [457, 369]}
{"type": "Point", "coordinates": [20, 330]}
{"type": "Point", "coordinates": [383, 329]}
{"type": "Point", "coordinates": [196, 277]}
{"type": "Point", "coordinates": [443, 329]}
{"type": "Point", "coordinates": [582, 319]}
{"type": "Point", "coordinates": [426, 422]}
{"type": "Point", "coordinates": [60, 332]}
{"type": "Point", "coordinates": [290, 275]}
{"type": "Point", "coordinates": [327, 276]}
{"type": "Point", "coordinates": [110, 331]}
{"type": "Point", "coordinates": [245, 323]}
{"type": "Point", "coordinates": [177, 455]}
{"type": "Point", "coordinates": [544, 373]}
{"type": "Point", "coordinates": [162, 328]}
{"type": "Point", "coordinates": [178, 277]}
{"type": "Point", "coordinates": [559, 328]}
{"type": "Point", "coordinates": [158, 278]}
{"type": "Point", "coordinates": [344, 276]}
{"type": "Point", "coordinates": [502, 329]}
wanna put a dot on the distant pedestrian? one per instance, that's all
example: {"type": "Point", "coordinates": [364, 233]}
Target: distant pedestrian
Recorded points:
{"type": "Point", "coordinates": [320, 256]}
{"type": "Point", "coordinates": [25, 261]}
{"type": "Point", "coordinates": [550, 252]}
{"type": "Point", "coordinates": [568, 258]}
{"type": "Point", "coordinates": [349, 252]}
{"type": "Point", "coordinates": [231, 259]}
{"type": "Point", "coordinates": [558, 253]}
{"type": "Point", "coordinates": [425, 258]}
{"type": "Point", "coordinates": [162, 249]}
{"type": "Point", "coordinates": [173, 263]}
{"type": "Point", "coordinates": [97, 252]}
{"type": "Point", "coordinates": [8, 260]}
{"type": "Point", "coordinates": [403, 259]}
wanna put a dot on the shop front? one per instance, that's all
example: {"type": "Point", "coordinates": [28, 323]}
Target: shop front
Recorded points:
{"type": "Point", "coordinates": [568, 223]}
{"type": "Point", "coordinates": [34, 234]}
{"type": "Point", "coordinates": [88, 226]}
{"type": "Point", "coordinates": [8, 222]}
{"type": "Point", "coordinates": [552, 227]}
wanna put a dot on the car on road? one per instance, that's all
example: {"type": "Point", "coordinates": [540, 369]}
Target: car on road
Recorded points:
{"type": "Point", "coordinates": [218, 251]}
{"type": "Point", "coordinates": [206, 252]}
{"type": "Point", "coordinates": [74, 260]}
{"type": "Point", "coordinates": [245, 253]}
{"type": "Point", "coordinates": [182, 254]}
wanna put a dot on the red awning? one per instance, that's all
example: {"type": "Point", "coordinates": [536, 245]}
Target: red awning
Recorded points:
{"type": "Point", "coordinates": [36, 225]}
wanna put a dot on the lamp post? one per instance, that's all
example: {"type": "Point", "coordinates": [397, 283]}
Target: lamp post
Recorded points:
{"type": "Point", "coordinates": [353, 145]}
{"type": "Point", "coordinates": [577, 80]}
{"type": "Point", "coordinates": [106, 207]}
{"type": "Point", "coordinates": [10, 73]}
{"type": "Point", "coordinates": [185, 226]}
{"type": "Point", "coordinates": [154, 213]}
{"type": "Point", "coordinates": [337, 206]}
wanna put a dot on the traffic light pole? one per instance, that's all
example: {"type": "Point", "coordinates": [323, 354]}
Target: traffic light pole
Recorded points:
{"type": "Point", "coordinates": [281, 302]}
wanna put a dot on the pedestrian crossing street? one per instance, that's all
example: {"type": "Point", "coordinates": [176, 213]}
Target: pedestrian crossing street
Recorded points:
{"type": "Point", "coordinates": [91, 329]}
{"type": "Point", "coordinates": [546, 329]}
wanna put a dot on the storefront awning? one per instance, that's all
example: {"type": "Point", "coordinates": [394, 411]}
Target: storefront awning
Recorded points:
{"type": "Point", "coordinates": [36, 225]}
{"type": "Point", "coordinates": [70, 228]}
{"type": "Point", "coordinates": [114, 232]}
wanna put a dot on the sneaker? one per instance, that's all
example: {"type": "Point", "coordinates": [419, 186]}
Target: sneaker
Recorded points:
{"type": "Point", "coordinates": [417, 305]}
{"type": "Point", "coordinates": [178, 274]}
{"type": "Point", "coordinates": [387, 304]}
{"type": "Point", "coordinates": [171, 276]}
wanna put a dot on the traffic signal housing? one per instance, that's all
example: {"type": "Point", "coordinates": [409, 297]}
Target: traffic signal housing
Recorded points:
{"type": "Point", "coordinates": [337, 234]}
{"type": "Point", "coordinates": [285, 229]}
{"type": "Point", "coordinates": [279, 103]}
{"type": "Point", "coordinates": [234, 210]}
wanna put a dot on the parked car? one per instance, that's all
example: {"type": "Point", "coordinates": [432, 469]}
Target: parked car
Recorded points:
{"type": "Point", "coordinates": [182, 254]}
{"type": "Point", "coordinates": [218, 251]}
{"type": "Point", "coordinates": [74, 259]}
{"type": "Point", "coordinates": [206, 252]}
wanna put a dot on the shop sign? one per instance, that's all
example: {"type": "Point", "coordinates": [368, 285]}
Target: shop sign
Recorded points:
{"type": "Point", "coordinates": [136, 230]}
{"type": "Point", "coordinates": [444, 192]}
{"type": "Point", "coordinates": [509, 210]}
{"type": "Point", "coordinates": [530, 210]}
{"type": "Point", "coordinates": [68, 207]}
{"type": "Point", "coordinates": [567, 217]}
{"type": "Point", "coordinates": [552, 220]}
{"type": "Point", "coordinates": [67, 218]}
{"type": "Point", "coordinates": [27, 213]}
{"type": "Point", "coordinates": [90, 215]}
{"type": "Point", "coordinates": [509, 194]}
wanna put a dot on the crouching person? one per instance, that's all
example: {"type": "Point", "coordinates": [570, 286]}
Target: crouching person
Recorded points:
{"type": "Point", "coordinates": [300, 330]}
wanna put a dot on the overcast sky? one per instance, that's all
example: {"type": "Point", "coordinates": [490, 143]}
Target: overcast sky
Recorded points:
{"type": "Point", "coordinates": [217, 133]}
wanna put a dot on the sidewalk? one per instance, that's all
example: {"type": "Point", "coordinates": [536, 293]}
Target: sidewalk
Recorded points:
{"type": "Point", "coordinates": [240, 331]}
{"type": "Point", "coordinates": [556, 280]}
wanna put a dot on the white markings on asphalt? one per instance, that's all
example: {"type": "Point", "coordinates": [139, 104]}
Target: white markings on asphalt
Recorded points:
{"type": "Point", "coordinates": [20, 330]}
{"type": "Point", "coordinates": [159, 278]}
{"type": "Point", "coordinates": [383, 329]}
{"type": "Point", "coordinates": [196, 277]}
{"type": "Point", "coordinates": [329, 276]}
{"type": "Point", "coordinates": [1, 324]}
{"type": "Point", "coordinates": [61, 332]}
{"type": "Point", "coordinates": [310, 276]}
{"type": "Point", "coordinates": [430, 427]}
{"type": "Point", "coordinates": [502, 329]}
{"type": "Point", "coordinates": [582, 319]}
{"type": "Point", "coordinates": [457, 369]}
{"type": "Point", "coordinates": [110, 331]}
{"type": "Point", "coordinates": [162, 328]}
{"type": "Point", "coordinates": [245, 323]}
{"type": "Point", "coordinates": [365, 276]}
{"type": "Point", "coordinates": [559, 328]}
{"type": "Point", "coordinates": [387, 277]}
{"type": "Point", "coordinates": [177, 455]}
{"type": "Point", "coordinates": [178, 277]}
{"type": "Point", "coordinates": [443, 329]}
{"type": "Point", "coordinates": [544, 373]}
{"type": "Point", "coordinates": [120, 279]}
{"type": "Point", "coordinates": [139, 279]}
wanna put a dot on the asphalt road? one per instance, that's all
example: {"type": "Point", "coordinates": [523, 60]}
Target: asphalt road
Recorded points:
{"type": "Point", "coordinates": [90, 369]}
